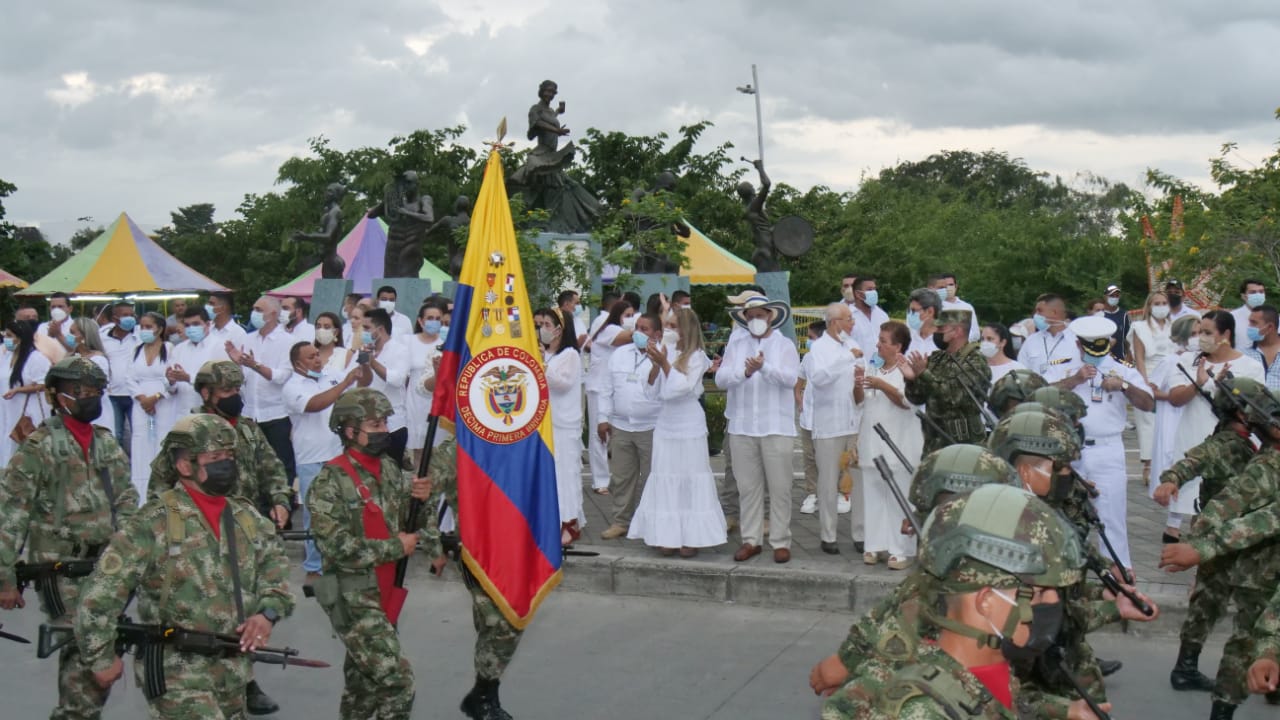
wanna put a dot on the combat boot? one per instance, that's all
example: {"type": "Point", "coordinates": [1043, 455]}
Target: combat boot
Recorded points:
{"type": "Point", "coordinates": [1186, 674]}
{"type": "Point", "coordinates": [1222, 711]}
{"type": "Point", "coordinates": [257, 702]}
{"type": "Point", "coordinates": [482, 702]}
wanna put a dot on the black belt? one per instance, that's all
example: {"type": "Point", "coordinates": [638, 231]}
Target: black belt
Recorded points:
{"type": "Point", "coordinates": [1090, 442]}
{"type": "Point", "coordinates": [87, 551]}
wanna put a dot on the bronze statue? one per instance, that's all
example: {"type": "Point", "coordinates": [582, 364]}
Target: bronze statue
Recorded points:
{"type": "Point", "coordinates": [408, 215]}
{"type": "Point", "coordinates": [330, 234]}
{"type": "Point", "coordinates": [758, 218]}
{"type": "Point", "coordinates": [542, 179]}
{"type": "Point", "coordinates": [461, 218]}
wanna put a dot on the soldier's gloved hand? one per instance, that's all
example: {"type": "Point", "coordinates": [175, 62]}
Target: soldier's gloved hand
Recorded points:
{"type": "Point", "coordinates": [11, 599]}
{"type": "Point", "coordinates": [1264, 676]}
{"type": "Point", "coordinates": [107, 678]}
{"type": "Point", "coordinates": [828, 675]}
{"type": "Point", "coordinates": [1079, 710]}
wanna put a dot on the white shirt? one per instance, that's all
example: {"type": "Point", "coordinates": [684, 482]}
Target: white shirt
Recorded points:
{"type": "Point", "coordinates": [921, 344]}
{"type": "Point", "coordinates": [763, 404]}
{"type": "Point", "coordinates": [1050, 356]}
{"type": "Point", "coordinates": [678, 392]}
{"type": "Point", "coordinates": [623, 402]}
{"type": "Point", "coordinates": [1107, 416]}
{"type": "Point", "coordinates": [191, 357]}
{"type": "Point", "coordinates": [866, 330]}
{"type": "Point", "coordinates": [999, 371]}
{"type": "Point", "coordinates": [263, 399]}
{"type": "Point", "coordinates": [401, 324]}
{"type": "Point", "coordinates": [395, 360]}
{"type": "Point", "coordinates": [1182, 311]}
{"type": "Point", "coordinates": [120, 357]}
{"type": "Point", "coordinates": [302, 332]}
{"type": "Point", "coordinates": [828, 389]}
{"type": "Point", "coordinates": [958, 304]}
{"type": "Point", "coordinates": [1241, 314]}
{"type": "Point", "coordinates": [564, 379]}
{"type": "Point", "coordinates": [602, 348]}
{"type": "Point", "coordinates": [1197, 421]}
{"type": "Point", "coordinates": [313, 441]}
{"type": "Point", "coordinates": [231, 331]}
{"type": "Point", "coordinates": [43, 328]}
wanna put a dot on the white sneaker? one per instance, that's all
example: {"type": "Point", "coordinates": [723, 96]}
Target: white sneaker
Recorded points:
{"type": "Point", "coordinates": [810, 505]}
{"type": "Point", "coordinates": [843, 506]}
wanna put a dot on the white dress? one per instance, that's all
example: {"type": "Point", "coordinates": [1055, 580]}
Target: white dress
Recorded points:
{"type": "Point", "coordinates": [149, 430]}
{"type": "Point", "coordinates": [1156, 346]}
{"type": "Point", "coordinates": [679, 506]}
{"type": "Point", "coordinates": [883, 529]}
{"type": "Point", "coordinates": [999, 371]}
{"type": "Point", "coordinates": [37, 407]}
{"type": "Point", "coordinates": [418, 398]}
{"type": "Point", "coordinates": [339, 364]}
{"type": "Point", "coordinates": [564, 380]}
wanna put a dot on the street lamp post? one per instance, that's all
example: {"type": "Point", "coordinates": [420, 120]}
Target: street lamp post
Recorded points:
{"type": "Point", "coordinates": [754, 89]}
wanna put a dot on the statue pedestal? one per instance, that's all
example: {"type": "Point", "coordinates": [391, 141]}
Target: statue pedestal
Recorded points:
{"type": "Point", "coordinates": [777, 287]}
{"type": "Point", "coordinates": [327, 296]}
{"type": "Point", "coordinates": [410, 292]}
{"type": "Point", "coordinates": [648, 284]}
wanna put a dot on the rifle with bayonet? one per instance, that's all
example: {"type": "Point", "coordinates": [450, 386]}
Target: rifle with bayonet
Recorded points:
{"type": "Point", "coordinates": [15, 638]}
{"type": "Point", "coordinates": [451, 547]}
{"type": "Point", "coordinates": [149, 641]}
{"type": "Point", "coordinates": [937, 429]}
{"type": "Point", "coordinates": [45, 578]}
{"type": "Point", "coordinates": [887, 474]}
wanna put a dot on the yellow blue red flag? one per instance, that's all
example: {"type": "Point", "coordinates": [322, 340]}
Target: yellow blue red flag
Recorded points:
{"type": "Point", "coordinates": [491, 386]}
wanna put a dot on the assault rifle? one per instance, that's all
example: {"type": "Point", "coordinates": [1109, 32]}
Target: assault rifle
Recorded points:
{"type": "Point", "coordinates": [937, 429]}
{"type": "Point", "coordinates": [294, 535]}
{"type": "Point", "coordinates": [45, 577]}
{"type": "Point", "coordinates": [1056, 658]}
{"type": "Point", "coordinates": [452, 549]}
{"type": "Point", "coordinates": [149, 641]}
{"type": "Point", "coordinates": [887, 474]}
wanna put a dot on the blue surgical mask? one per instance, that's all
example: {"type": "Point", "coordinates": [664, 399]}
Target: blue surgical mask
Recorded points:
{"type": "Point", "coordinates": [147, 336]}
{"type": "Point", "coordinates": [876, 362]}
{"type": "Point", "coordinates": [195, 333]}
{"type": "Point", "coordinates": [70, 341]}
{"type": "Point", "coordinates": [175, 338]}
{"type": "Point", "coordinates": [366, 337]}
{"type": "Point", "coordinates": [444, 332]}
{"type": "Point", "coordinates": [1092, 360]}
{"type": "Point", "coordinates": [871, 298]}
{"type": "Point", "coordinates": [1042, 322]}
{"type": "Point", "coordinates": [942, 293]}
{"type": "Point", "coordinates": [913, 321]}
{"type": "Point", "coordinates": [9, 344]}
{"type": "Point", "coordinates": [209, 309]}
{"type": "Point", "coordinates": [432, 327]}
{"type": "Point", "coordinates": [1255, 335]}
{"type": "Point", "coordinates": [313, 374]}
{"type": "Point", "coordinates": [257, 319]}
{"type": "Point", "coordinates": [128, 323]}
{"type": "Point", "coordinates": [641, 340]}
{"type": "Point", "coordinates": [1254, 300]}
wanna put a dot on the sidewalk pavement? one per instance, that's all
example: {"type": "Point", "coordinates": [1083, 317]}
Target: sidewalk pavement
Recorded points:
{"type": "Point", "coordinates": [817, 581]}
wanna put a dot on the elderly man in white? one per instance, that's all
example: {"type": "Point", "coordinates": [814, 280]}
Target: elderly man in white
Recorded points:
{"type": "Point", "coordinates": [759, 372]}
{"type": "Point", "coordinates": [833, 367]}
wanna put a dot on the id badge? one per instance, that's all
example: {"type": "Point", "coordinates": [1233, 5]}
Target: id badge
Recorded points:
{"type": "Point", "coordinates": [1095, 393]}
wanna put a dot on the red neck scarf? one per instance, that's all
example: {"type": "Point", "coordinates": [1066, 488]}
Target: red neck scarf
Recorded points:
{"type": "Point", "coordinates": [392, 597]}
{"type": "Point", "coordinates": [81, 431]}
{"type": "Point", "coordinates": [211, 506]}
{"type": "Point", "coordinates": [371, 463]}
{"type": "Point", "coordinates": [996, 679]}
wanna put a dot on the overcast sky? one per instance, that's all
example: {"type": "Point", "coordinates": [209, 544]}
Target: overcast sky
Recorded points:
{"type": "Point", "coordinates": [146, 106]}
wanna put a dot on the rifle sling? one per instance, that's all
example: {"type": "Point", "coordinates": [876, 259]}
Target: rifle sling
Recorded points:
{"type": "Point", "coordinates": [229, 529]}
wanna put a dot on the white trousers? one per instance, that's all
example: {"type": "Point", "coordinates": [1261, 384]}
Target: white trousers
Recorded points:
{"type": "Point", "coordinates": [1103, 465]}
{"type": "Point", "coordinates": [757, 462]}
{"type": "Point", "coordinates": [597, 451]}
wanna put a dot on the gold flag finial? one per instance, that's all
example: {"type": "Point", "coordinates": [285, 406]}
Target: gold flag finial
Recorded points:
{"type": "Point", "coordinates": [502, 134]}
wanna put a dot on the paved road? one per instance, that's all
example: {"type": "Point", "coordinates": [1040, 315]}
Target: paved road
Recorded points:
{"type": "Point", "coordinates": [590, 657]}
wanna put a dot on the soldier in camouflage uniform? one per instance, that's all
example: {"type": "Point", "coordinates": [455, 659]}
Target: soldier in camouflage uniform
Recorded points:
{"type": "Point", "coordinates": [359, 503]}
{"type": "Point", "coordinates": [1244, 519]}
{"type": "Point", "coordinates": [496, 637]}
{"type": "Point", "coordinates": [1015, 387]}
{"type": "Point", "coordinates": [262, 482]}
{"type": "Point", "coordinates": [885, 639]}
{"type": "Point", "coordinates": [64, 493]}
{"type": "Point", "coordinates": [174, 555]}
{"type": "Point", "coordinates": [951, 383]}
{"type": "Point", "coordinates": [1264, 674]}
{"type": "Point", "coordinates": [997, 557]}
{"type": "Point", "coordinates": [1222, 456]}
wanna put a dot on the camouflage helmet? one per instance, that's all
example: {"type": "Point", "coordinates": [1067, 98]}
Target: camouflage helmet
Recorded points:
{"type": "Point", "coordinates": [1062, 401]}
{"type": "Point", "coordinates": [1000, 536]}
{"type": "Point", "coordinates": [1232, 393]}
{"type": "Point", "coordinates": [357, 406]}
{"type": "Point", "coordinates": [219, 374]}
{"type": "Point", "coordinates": [958, 469]}
{"type": "Point", "coordinates": [76, 369]}
{"type": "Point", "coordinates": [200, 432]}
{"type": "Point", "coordinates": [1015, 387]}
{"type": "Point", "coordinates": [1263, 405]}
{"type": "Point", "coordinates": [1033, 432]}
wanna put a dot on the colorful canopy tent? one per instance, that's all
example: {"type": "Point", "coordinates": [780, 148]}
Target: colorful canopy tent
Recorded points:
{"type": "Point", "coordinates": [363, 249]}
{"type": "Point", "coordinates": [709, 264]}
{"type": "Point", "coordinates": [121, 260]}
{"type": "Point", "coordinates": [9, 280]}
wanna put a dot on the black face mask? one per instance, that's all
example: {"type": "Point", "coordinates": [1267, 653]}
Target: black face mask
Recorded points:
{"type": "Point", "coordinates": [86, 409]}
{"type": "Point", "coordinates": [377, 443]}
{"type": "Point", "coordinates": [1175, 301]}
{"type": "Point", "coordinates": [230, 407]}
{"type": "Point", "coordinates": [938, 339]}
{"type": "Point", "coordinates": [1060, 487]}
{"type": "Point", "coordinates": [222, 477]}
{"type": "Point", "coordinates": [1046, 623]}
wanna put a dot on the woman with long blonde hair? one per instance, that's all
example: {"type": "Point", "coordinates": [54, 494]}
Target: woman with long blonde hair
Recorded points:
{"type": "Point", "coordinates": [679, 510]}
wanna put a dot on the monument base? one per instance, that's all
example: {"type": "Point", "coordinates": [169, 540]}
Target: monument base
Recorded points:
{"type": "Point", "coordinates": [581, 244]}
{"type": "Point", "coordinates": [328, 296]}
{"type": "Point", "coordinates": [410, 292]}
{"type": "Point", "coordinates": [648, 284]}
{"type": "Point", "coordinates": [776, 285]}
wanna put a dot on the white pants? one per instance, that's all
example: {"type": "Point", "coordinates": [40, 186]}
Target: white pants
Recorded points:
{"type": "Point", "coordinates": [1103, 465]}
{"type": "Point", "coordinates": [597, 451]}
{"type": "Point", "coordinates": [827, 453]}
{"type": "Point", "coordinates": [884, 515]}
{"type": "Point", "coordinates": [757, 462]}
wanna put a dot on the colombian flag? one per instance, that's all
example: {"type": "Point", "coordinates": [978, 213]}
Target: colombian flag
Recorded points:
{"type": "Point", "coordinates": [491, 386]}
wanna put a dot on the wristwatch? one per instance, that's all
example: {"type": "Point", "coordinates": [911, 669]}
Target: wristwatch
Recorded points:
{"type": "Point", "coordinates": [1124, 386]}
{"type": "Point", "coordinates": [271, 615]}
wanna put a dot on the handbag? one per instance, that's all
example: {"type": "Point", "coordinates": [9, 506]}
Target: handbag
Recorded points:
{"type": "Point", "coordinates": [25, 426]}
